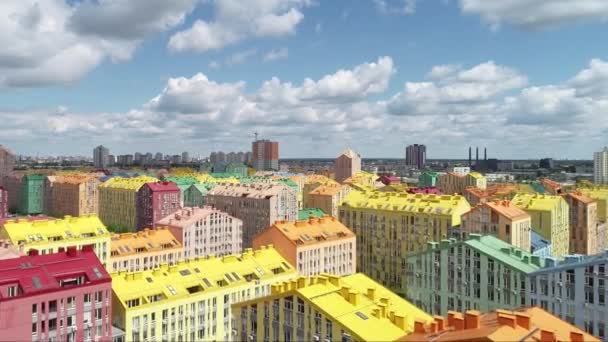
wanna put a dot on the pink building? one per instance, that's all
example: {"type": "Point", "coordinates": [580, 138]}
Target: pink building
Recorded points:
{"type": "Point", "coordinates": [64, 296]}
{"type": "Point", "coordinates": [8, 251]}
{"type": "Point", "coordinates": [430, 190]}
{"type": "Point", "coordinates": [347, 165]}
{"type": "Point", "coordinates": [155, 201]}
{"type": "Point", "coordinates": [3, 202]}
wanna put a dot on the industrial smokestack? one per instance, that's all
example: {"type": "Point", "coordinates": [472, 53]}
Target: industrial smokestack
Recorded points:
{"type": "Point", "coordinates": [476, 154]}
{"type": "Point", "coordinates": [469, 155]}
{"type": "Point", "coordinates": [485, 156]}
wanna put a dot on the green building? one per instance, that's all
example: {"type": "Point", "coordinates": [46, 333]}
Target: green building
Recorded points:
{"type": "Point", "coordinates": [305, 214]}
{"type": "Point", "coordinates": [195, 194]}
{"type": "Point", "coordinates": [32, 194]}
{"type": "Point", "coordinates": [183, 183]}
{"type": "Point", "coordinates": [482, 273]}
{"type": "Point", "coordinates": [237, 168]}
{"type": "Point", "coordinates": [290, 183]}
{"type": "Point", "coordinates": [428, 179]}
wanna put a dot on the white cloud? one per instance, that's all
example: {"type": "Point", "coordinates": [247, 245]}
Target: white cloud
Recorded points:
{"type": "Point", "coordinates": [275, 54]}
{"type": "Point", "coordinates": [235, 20]}
{"type": "Point", "coordinates": [536, 14]}
{"type": "Point", "coordinates": [240, 57]}
{"type": "Point", "coordinates": [403, 7]}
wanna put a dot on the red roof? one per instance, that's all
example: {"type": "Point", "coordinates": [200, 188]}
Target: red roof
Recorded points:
{"type": "Point", "coordinates": [431, 190]}
{"type": "Point", "coordinates": [387, 180]}
{"type": "Point", "coordinates": [163, 186]}
{"type": "Point", "coordinates": [37, 274]}
{"type": "Point", "coordinates": [25, 218]}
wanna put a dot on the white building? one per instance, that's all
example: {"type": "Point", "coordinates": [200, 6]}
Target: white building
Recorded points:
{"type": "Point", "coordinates": [100, 156]}
{"type": "Point", "coordinates": [462, 170]}
{"type": "Point", "coordinates": [600, 166]}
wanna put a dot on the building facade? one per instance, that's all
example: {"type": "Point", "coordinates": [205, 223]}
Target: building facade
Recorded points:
{"type": "Point", "coordinates": [454, 183]}
{"type": "Point", "coordinates": [327, 198]}
{"type": "Point", "coordinates": [155, 201]}
{"type": "Point", "coordinates": [64, 296]}
{"type": "Point", "coordinates": [427, 179]}
{"type": "Point", "coordinates": [3, 202]}
{"type": "Point", "coordinates": [389, 226]}
{"type": "Point", "coordinates": [585, 229]}
{"type": "Point", "coordinates": [258, 205]}
{"type": "Point", "coordinates": [600, 166]}
{"type": "Point", "coordinates": [415, 155]}
{"type": "Point", "coordinates": [7, 161]}
{"type": "Point", "coordinates": [32, 194]}
{"type": "Point", "coordinates": [314, 246]}
{"type": "Point", "coordinates": [191, 301]}
{"type": "Point", "coordinates": [196, 193]}
{"type": "Point", "coordinates": [8, 250]}
{"type": "Point", "coordinates": [73, 195]}
{"type": "Point", "coordinates": [118, 201]}
{"type": "Point", "coordinates": [347, 165]}
{"type": "Point", "coordinates": [326, 308]}
{"type": "Point", "coordinates": [100, 157]}
{"type": "Point", "coordinates": [265, 155]}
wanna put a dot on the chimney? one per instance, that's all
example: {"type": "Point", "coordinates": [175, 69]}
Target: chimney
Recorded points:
{"type": "Point", "coordinates": [440, 322]}
{"type": "Point", "coordinates": [547, 336]}
{"type": "Point", "coordinates": [522, 320]}
{"type": "Point", "coordinates": [504, 319]}
{"type": "Point", "coordinates": [371, 293]}
{"type": "Point", "coordinates": [476, 155]}
{"type": "Point", "coordinates": [352, 298]}
{"type": "Point", "coordinates": [419, 327]}
{"type": "Point", "coordinates": [472, 319]}
{"type": "Point", "coordinates": [485, 156]}
{"type": "Point", "coordinates": [452, 318]}
{"type": "Point", "coordinates": [469, 156]}
{"type": "Point", "coordinates": [576, 336]}
{"type": "Point", "coordinates": [458, 322]}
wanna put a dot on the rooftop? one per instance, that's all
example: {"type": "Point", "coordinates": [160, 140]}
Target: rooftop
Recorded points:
{"type": "Point", "coordinates": [312, 231]}
{"type": "Point", "coordinates": [162, 186]}
{"type": "Point", "coordinates": [305, 214]}
{"type": "Point", "coordinates": [189, 215]}
{"type": "Point", "coordinates": [144, 241]}
{"type": "Point", "coordinates": [327, 190]}
{"type": "Point", "coordinates": [253, 190]}
{"type": "Point", "coordinates": [579, 196]}
{"type": "Point", "coordinates": [537, 241]}
{"type": "Point", "coordinates": [504, 208]}
{"type": "Point", "coordinates": [536, 202]}
{"type": "Point", "coordinates": [349, 153]}
{"type": "Point", "coordinates": [133, 184]}
{"type": "Point", "coordinates": [8, 251]}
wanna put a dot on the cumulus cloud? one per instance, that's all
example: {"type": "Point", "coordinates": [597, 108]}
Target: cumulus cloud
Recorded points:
{"type": "Point", "coordinates": [275, 54]}
{"type": "Point", "coordinates": [235, 20]}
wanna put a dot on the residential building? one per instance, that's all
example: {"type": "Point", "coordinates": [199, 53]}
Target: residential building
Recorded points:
{"type": "Point", "coordinates": [550, 218]}
{"type": "Point", "coordinates": [482, 273]}
{"type": "Point", "coordinates": [196, 193]}
{"type": "Point", "coordinates": [100, 157]}
{"type": "Point", "coordinates": [49, 235]}
{"type": "Point", "coordinates": [600, 195]}
{"type": "Point", "coordinates": [493, 191]}
{"type": "Point", "coordinates": [118, 201]}
{"type": "Point", "coordinates": [3, 202]}
{"type": "Point", "coordinates": [461, 170]}
{"type": "Point", "coordinates": [145, 250]}
{"type": "Point", "coordinates": [8, 250]}
{"type": "Point", "coordinates": [64, 296]}
{"type": "Point", "coordinates": [31, 194]}
{"type": "Point", "coordinates": [7, 161]}
{"type": "Point", "coordinates": [539, 246]}
{"type": "Point", "coordinates": [237, 168]}
{"type": "Point", "coordinates": [454, 183]}
{"type": "Point", "coordinates": [500, 219]}
{"type": "Point", "coordinates": [155, 201]}
{"type": "Point", "coordinates": [327, 198]}
{"type": "Point", "coordinates": [347, 165]}
{"type": "Point", "coordinates": [314, 246]}
{"type": "Point", "coordinates": [265, 155]}
{"type": "Point", "coordinates": [311, 183]}
{"type": "Point", "coordinates": [204, 231]}
{"type": "Point", "coordinates": [12, 185]}
{"type": "Point", "coordinates": [305, 214]}
{"type": "Point", "coordinates": [258, 205]}
{"type": "Point", "coordinates": [389, 225]}
{"type": "Point", "coordinates": [186, 157]}
{"type": "Point", "coordinates": [389, 180]}
{"type": "Point", "coordinates": [415, 155]}
{"type": "Point", "coordinates": [524, 324]}
{"type": "Point", "coordinates": [551, 187]}
{"type": "Point", "coordinates": [584, 226]}
{"type": "Point", "coordinates": [428, 190]}
{"type": "Point", "coordinates": [600, 166]}
{"type": "Point", "coordinates": [427, 179]}
{"type": "Point", "coordinates": [191, 301]}
{"type": "Point", "coordinates": [326, 308]}
{"type": "Point", "coordinates": [362, 180]}
{"type": "Point", "coordinates": [71, 195]}
{"type": "Point", "coordinates": [183, 183]}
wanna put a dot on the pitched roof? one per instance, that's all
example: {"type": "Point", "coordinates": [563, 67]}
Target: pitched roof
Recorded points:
{"type": "Point", "coordinates": [312, 231]}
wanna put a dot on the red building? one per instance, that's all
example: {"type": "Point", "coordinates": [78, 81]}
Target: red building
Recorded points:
{"type": "Point", "coordinates": [389, 180]}
{"type": "Point", "coordinates": [65, 296]}
{"type": "Point", "coordinates": [265, 155]}
{"type": "Point", "coordinates": [430, 190]}
{"type": "Point", "coordinates": [3, 202]}
{"type": "Point", "coordinates": [155, 201]}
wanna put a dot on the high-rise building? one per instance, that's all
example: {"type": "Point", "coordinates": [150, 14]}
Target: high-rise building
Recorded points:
{"type": "Point", "coordinates": [347, 165]}
{"type": "Point", "coordinates": [600, 166]}
{"type": "Point", "coordinates": [546, 163]}
{"type": "Point", "coordinates": [158, 156]}
{"type": "Point", "coordinates": [32, 194]}
{"type": "Point", "coordinates": [454, 183]}
{"type": "Point", "coordinates": [100, 157]}
{"type": "Point", "coordinates": [111, 160]}
{"type": "Point", "coordinates": [415, 155]}
{"type": "Point", "coordinates": [194, 195]}
{"type": "Point", "coordinates": [118, 201]}
{"type": "Point", "coordinates": [3, 202]}
{"type": "Point", "coordinates": [7, 161]}
{"type": "Point", "coordinates": [186, 157]}
{"type": "Point", "coordinates": [73, 195]}
{"type": "Point", "coordinates": [585, 231]}
{"type": "Point", "coordinates": [64, 296]}
{"type": "Point", "coordinates": [155, 201]}
{"type": "Point", "coordinates": [265, 155]}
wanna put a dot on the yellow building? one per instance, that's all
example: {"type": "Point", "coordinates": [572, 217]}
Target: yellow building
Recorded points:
{"type": "Point", "coordinates": [74, 195]}
{"type": "Point", "coordinates": [191, 300]}
{"type": "Point", "coordinates": [327, 308]}
{"type": "Point", "coordinates": [600, 194]}
{"type": "Point", "coordinates": [118, 200]}
{"type": "Point", "coordinates": [144, 250]}
{"type": "Point", "coordinates": [456, 183]}
{"type": "Point", "coordinates": [49, 235]}
{"type": "Point", "coordinates": [550, 219]}
{"type": "Point", "coordinates": [327, 198]}
{"type": "Point", "coordinates": [365, 179]}
{"type": "Point", "coordinates": [390, 225]}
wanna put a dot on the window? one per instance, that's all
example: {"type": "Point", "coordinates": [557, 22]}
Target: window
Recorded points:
{"type": "Point", "coordinates": [98, 313]}
{"type": "Point", "coordinates": [98, 296]}
{"type": "Point", "coordinates": [34, 308]}
{"type": "Point", "coordinates": [53, 306]}
{"type": "Point", "coordinates": [12, 291]}
{"type": "Point", "coordinates": [34, 328]}
{"type": "Point", "coordinates": [53, 324]}
{"type": "Point", "coordinates": [87, 298]}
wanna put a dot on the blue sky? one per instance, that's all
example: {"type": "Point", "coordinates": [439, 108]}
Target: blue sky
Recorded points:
{"type": "Point", "coordinates": [526, 78]}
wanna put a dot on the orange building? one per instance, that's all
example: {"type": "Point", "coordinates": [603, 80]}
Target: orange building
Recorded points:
{"type": "Point", "coordinates": [527, 324]}
{"type": "Point", "coordinates": [319, 245]}
{"type": "Point", "coordinates": [493, 191]}
{"type": "Point", "coordinates": [327, 198]}
{"type": "Point", "coordinates": [584, 226]}
{"type": "Point", "coordinates": [71, 195]}
{"type": "Point", "coordinates": [144, 250]}
{"type": "Point", "coordinates": [551, 187]}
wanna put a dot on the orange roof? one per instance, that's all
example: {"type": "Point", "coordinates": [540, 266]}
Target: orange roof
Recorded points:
{"type": "Point", "coordinates": [74, 179]}
{"type": "Point", "coordinates": [550, 184]}
{"type": "Point", "coordinates": [527, 324]}
{"type": "Point", "coordinates": [506, 209]}
{"type": "Point", "coordinates": [579, 196]}
{"type": "Point", "coordinates": [327, 190]}
{"type": "Point", "coordinates": [144, 241]}
{"type": "Point", "coordinates": [493, 189]}
{"type": "Point", "coordinates": [313, 231]}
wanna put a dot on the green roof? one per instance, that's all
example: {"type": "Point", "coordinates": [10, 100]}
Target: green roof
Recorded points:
{"type": "Point", "coordinates": [305, 214]}
{"type": "Point", "coordinates": [289, 182]}
{"type": "Point", "coordinates": [225, 175]}
{"type": "Point", "coordinates": [505, 253]}
{"type": "Point", "coordinates": [181, 180]}
{"type": "Point", "coordinates": [203, 188]}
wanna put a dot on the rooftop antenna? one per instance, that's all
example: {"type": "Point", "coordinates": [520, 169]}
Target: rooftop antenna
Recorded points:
{"type": "Point", "coordinates": [255, 134]}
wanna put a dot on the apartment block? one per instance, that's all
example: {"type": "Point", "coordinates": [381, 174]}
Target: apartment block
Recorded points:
{"type": "Point", "coordinates": [482, 273]}
{"type": "Point", "coordinates": [524, 324]}
{"type": "Point", "coordinates": [118, 201]}
{"type": "Point", "coordinates": [196, 193]}
{"type": "Point", "coordinates": [456, 183]}
{"type": "Point", "coordinates": [347, 165]}
{"type": "Point", "coordinates": [327, 198]}
{"type": "Point", "coordinates": [326, 308]}
{"type": "Point", "coordinates": [204, 231]}
{"type": "Point", "coordinates": [25, 192]}
{"type": "Point", "coordinates": [64, 296]}
{"type": "Point", "coordinates": [145, 250]}
{"type": "Point", "coordinates": [313, 182]}
{"type": "Point", "coordinates": [73, 195]}
{"type": "Point", "coordinates": [258, 205]}
{"type": "Point", "coordinates": [12, 184]}
{"type": "Point", "coordinates": [191, 301]}
{"type": "Point", "coordinates": [550, 218]}
{"type": "Point", "coordinates": [539, 246]}
{"type": "Point", "coordinates": [8, 250]}
{"type": "Point", "coordinates": [3, 202]}
{"type": "Point", "coordinates": [427, 179]}
{"type": "Point", "coordinates": [183, 183]}
{"type": "Point", "coordinates": [364, 179]}
{"type": "Point", "coordinates": [51, 235]}
{"type": "Point", "coordinates": [305, 214]}
{"type": "Point", "coordinates": [492, 192]}
{"type": "Point", "coordinates": [600, 195]}
{"type": "Point", "coordinates": [314, 246]}
{"type": "Point", "coordinates": [155, 201]}
{"type": "Point", "coordinates": [388, 226]}
{"type": "Point", "coordinates": [500, 219]}
{"type": "Point", "coordinates": [585, 229]}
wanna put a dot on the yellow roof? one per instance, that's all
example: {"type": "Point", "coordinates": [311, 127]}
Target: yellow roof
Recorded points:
{"type": "Point", "coordinates": [193, 277]}
{"type": "Point", "coordinates": [476, 175]}
{"type": "Point", "coordinates": [40, 232]}
{"type": "Point", "coordinates": [134, 183]}
{"type": "Point", "coordinates": [327, 190]}
{"type": "Point", "coordinates": [314, 230]}
{"type": "Point", "coordinates": [144, 241]}
{"type": "Point", "coordinates": [536, 202]}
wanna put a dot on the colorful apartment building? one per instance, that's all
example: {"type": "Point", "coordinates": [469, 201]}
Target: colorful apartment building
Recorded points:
{"type": "Point", "coordinates": [525, 324]}
{"type": "Point", "coordinates": [72, 195]}
{"type": "Point", "coordinates": [183, 183]}
{"type": "Point", "coordinates": [191, 301]}
{"type": "Point", "coordinates": [145, 250]}
{"type": "Point", "coordinates": [327, 198]}
{"type": "Point", "coordinates": [585, 230]}
{"type": "Point", "coordinates": [362, 179]}
{"type": "Point", "coordinates": [551, 187]}
{"type": "Point", "coordinates": [313, 182]}
{"type": "Point", "coordinates": [50, 235]}
{"type": "Point", "coordinates": [347, 165]}
{"type": "Point", "coordinates": [429, 190]}
{"type": "Point", "coordinates": [305, 214]}
{"type": "Point", "coordinates": [63, 296]}
{"type": "Point", "coordinates": [600, 194]}
{"type": "Point", "coordinates": [8, 250]}
{"type": "Point", "coordinates": [196, 193]}
{"type": "Point", "coordinates": [118, 201]}
{"type": "Point", "coordinates": [326, 308]}
{"type": "Point", "coordinates": [455, 183]}
{"type": "Point", "coordinates": [155, 201]}
{"type": "Point", "coordinates": [25, 192]}
{"type": "Point", "coordinates": [258, 205]}
{"type": "Point", "coordinates": [314, 246]}
{"type": "Point", "coordinates": [427, 179]}
{"type": "Point", "coordinates": [492, 192]}
{"type": "Point", "coordinates": [3, 202]}
{"type": "Point", "coordinates": [482, 273]}
{"type": "Point", "coordinates": [389, 225]}
{"type": "Point", "coordinates": [204, 231]}
{"type": "Point", "coordinates": [500, 219]}
{"type": "Point", "coordinates": [550, 218]}
{"type": "Point", "coordinates": [12, 184]}
{"type": "Point", "coordinates": [540, 246]}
